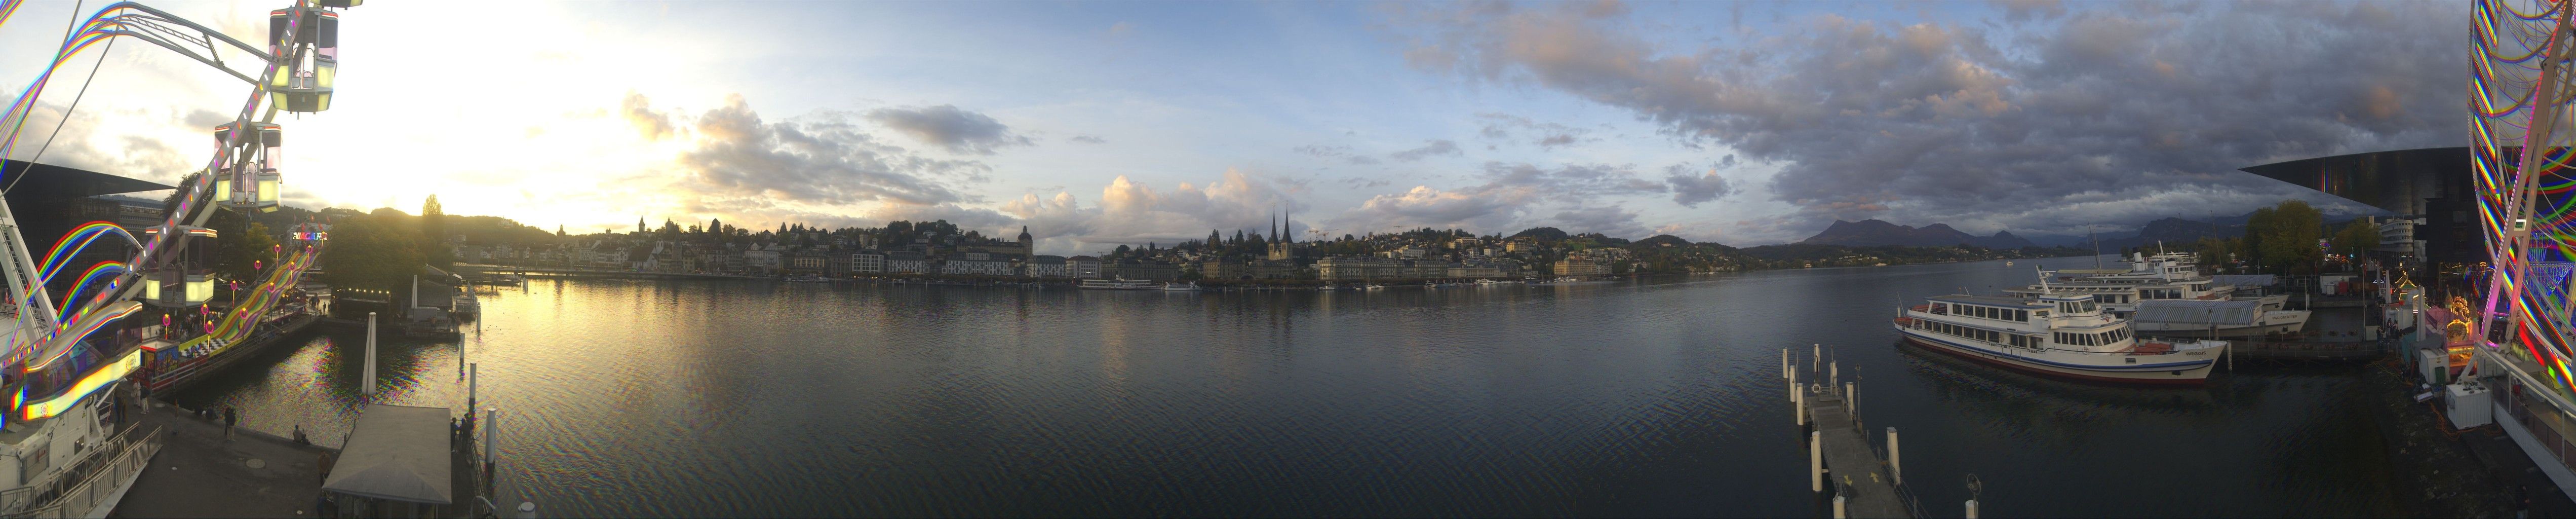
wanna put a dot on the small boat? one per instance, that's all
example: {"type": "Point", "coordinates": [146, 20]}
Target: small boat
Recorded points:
{"type": "Point", "coordinates": [808, 278]}
{"type": "Point", "coordinates": [1117, 284]}
{"type": "Point", "coordinates": [2059, 335]}
{"type": "Point", "coordinates": [1374, 286]}
{"type": "Point", "coordinates": [1431, 284]}
{"type": "Point", "coordinates": [465, 304]}
{"type": "Point", "coordinates": [1180, 287]}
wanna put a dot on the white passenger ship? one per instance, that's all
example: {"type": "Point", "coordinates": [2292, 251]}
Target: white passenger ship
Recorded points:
{"type": "Point", "coordinates": [2063, 335]}
{"type": "Point", "coordinates": [2166, 294]}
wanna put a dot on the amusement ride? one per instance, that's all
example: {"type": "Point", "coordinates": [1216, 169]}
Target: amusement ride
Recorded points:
{"type": "Point", "coordinates": [75, 334]}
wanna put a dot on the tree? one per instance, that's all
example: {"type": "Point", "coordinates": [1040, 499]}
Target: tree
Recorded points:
{"type": "Point", "coordinates": [374, 252]}
{"type": "Point", "coordinates": [2356, 238]}
{"type": "Point", "coordinates": [433, 226]}
{"type": "Point", "coordinates": [241, 243]}
{"type": "Point", "coordinates": [2283, 238]}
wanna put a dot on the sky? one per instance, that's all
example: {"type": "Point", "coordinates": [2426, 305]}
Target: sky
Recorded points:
{"type": "Point", "coordinates": [1097, 124]}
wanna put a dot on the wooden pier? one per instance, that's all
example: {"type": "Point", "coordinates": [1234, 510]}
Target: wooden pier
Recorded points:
{"type": "Point", "coordinates": [1844, 468]}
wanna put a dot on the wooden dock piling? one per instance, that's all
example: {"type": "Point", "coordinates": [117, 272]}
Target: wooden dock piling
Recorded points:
{"type": "Point", "coordinates": [1862, 484]}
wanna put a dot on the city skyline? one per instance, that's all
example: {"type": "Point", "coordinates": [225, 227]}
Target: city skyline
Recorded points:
{"type": "Point", "coordinates": [1135, 123]}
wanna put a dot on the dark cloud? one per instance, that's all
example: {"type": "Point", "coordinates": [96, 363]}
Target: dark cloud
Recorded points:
{"type": "Point", "coordinates": [1089, 139]}
{"type": "Point", "coordinates": [1933, 122]}
{"type": "Point", "coordinates": [1435, 147]}
{"type": "Point", "coordinates": [946, 126]}
{"type": "Point", "coordinates": [741, 158]}
{"type": "Point", "coordinates": [1691, 187]}
{"type": "Point", "coordinates": [638, 111]}
{"type": "Point", "coordinates": [206, 119]}
{"type": "Point", "coordinates": [2018, 11]}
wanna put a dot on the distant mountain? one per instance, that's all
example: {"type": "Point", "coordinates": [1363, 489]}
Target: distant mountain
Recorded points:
{"type": "Point", "coordinates": [1866, 233]}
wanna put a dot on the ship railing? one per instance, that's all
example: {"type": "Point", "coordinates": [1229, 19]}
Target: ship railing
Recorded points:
{"type": "Point", "coordinates": [92, 480]}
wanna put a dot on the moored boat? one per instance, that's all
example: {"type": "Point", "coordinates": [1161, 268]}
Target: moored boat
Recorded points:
{"type": "Point", "coordinates": [1180, 287]}
{"type": "Point", "coordinates": [1117, 284]}
{"type": "Point", "coordinates": [2060, 335]}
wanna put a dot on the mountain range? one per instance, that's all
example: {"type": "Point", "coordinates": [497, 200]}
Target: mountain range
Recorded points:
{"type": "Point", "coordinates": [1866, 233]}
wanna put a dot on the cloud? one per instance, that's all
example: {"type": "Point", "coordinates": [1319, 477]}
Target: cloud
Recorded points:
{"type": "Point", "coordinates": [1435, 147]}
{"type": "Point", "coordinates": [745, 162]}
{"type": "Point", "coordinates": [1344, 152]}
{"type": "Point", "coordinates": [1088, 139]}
{"type": "Point", "coordinates": [1610, 220]}
{"type": "Point", "coordinates": [1942, 122]}
{"type": "Point", "coordinates": [130, 151]}
{"type": "Point", "coordinates": [1129, 212]}
{"type": "Point", "coordinates": [951, 128]}
{"type": "Point", "coordinates": [1550, 135]}
{"type": "Point", "coordinates": [1320, 150]}
{"type": "Point", "coordinates": [1511, 193]}
{"type": "Point", "coordinates": [1690, 188]}
{"type": "Point", "coordinates": [638, 111]}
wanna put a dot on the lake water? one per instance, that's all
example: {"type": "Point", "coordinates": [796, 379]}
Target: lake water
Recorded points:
{"type": "Point", "coordinates": [1657, 397]}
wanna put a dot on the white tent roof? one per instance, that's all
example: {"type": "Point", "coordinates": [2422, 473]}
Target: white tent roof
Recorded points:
{"type": "Point", "coordinates": [2198, 311]}
{"type": "Point", "coordinates": [398, 453]}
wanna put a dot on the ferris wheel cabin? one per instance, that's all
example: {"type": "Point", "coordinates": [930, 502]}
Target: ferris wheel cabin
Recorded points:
{"type": "Point", "coordinates": [185, 278]}
{"type": "Point", "coordinates": [303, 83]}
{"type": "Point", "coordinates": [249, 181]}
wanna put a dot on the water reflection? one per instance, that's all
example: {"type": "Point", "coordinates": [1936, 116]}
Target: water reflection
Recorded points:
{"type": "Point", "coordinates": [1652, 398]}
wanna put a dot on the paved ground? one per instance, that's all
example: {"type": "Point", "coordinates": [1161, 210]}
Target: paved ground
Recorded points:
{"type": "Point", "coordinates": [199, 474]}
{"type": "Point", "coordinates": [2443, 472]}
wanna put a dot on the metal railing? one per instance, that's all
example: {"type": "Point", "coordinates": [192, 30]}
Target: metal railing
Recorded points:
{"type": "Point", "coordinates": [96, 483]}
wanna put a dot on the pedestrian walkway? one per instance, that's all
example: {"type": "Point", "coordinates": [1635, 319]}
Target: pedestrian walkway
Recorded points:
{"type": "Point", "coordinates": [198, 474]}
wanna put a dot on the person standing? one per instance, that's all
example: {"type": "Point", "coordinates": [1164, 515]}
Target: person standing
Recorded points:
{"type": "Point", "coordinates": [229, 420]}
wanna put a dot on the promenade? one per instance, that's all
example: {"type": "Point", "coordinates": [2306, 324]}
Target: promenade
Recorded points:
{"type": "Point", "coordinates": [199, 474]}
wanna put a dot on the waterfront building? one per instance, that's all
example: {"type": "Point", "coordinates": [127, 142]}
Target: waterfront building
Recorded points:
{"type": "Point", "coordinates": [1581, 266]}
{"type": "Point", "coordinates": [762, 258]}
{"type": "Point", "coordinates": [1146, 271]}
{"type": "Point", "coordinates": [1221, 268]}
{"type": "Point", "coordinates": [1477, 270]}
{"type": "Point", "coordinates": [1083, 266]}
{"type": "Point", "coordinates": [1046, 266]}
{"type": "Point", "coordinates": [868, 262]}
{"type": "Point", "coordinates": [1354, 269]}
{"type": "Point", "coordinates": [1272, 269]}
{"type": "Point", "coordinates": [807, 262]}
{"type": "Point", "coordinates": [976, 263]}
{"type": "Point", "coordinates": [906, 262]}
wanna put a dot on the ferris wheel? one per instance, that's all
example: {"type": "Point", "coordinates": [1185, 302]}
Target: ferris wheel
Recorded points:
{"type": "Point", "coordinates": [173, 265]}
{"type": "Point", "coordinates": [2520, 93]}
